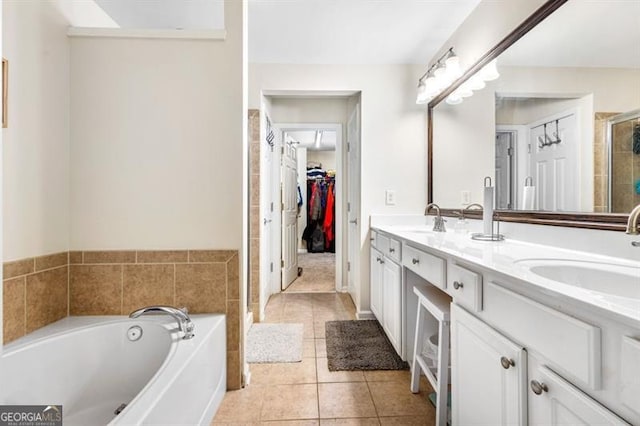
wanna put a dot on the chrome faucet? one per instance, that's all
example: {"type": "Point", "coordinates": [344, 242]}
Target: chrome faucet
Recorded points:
{"type": "Point", "coordinates": [632, 224]}
{"type": "Point", "coordinates": [438, 221]}
{"type": "Point", "coordinates": [185, 325]}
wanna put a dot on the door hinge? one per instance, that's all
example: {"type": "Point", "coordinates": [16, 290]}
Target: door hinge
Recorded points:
{"type": "Point", "coordinates": [282, 206]}
{"type": "Point", "coordinates": [282, 150]}
{"type": "Point", "coordinates": [271, 206]}
{"type": "Point", "coordinates": [282, 263]}
{"type": "Point", "coordinates": [348, 266]}
{"type": "Point", "coordinates": [348, 146]}
{"type": "Point", "coordinates": [510, 152]}
{"type": "Point", "coordinates": [348, 207]}
{"type": "Point", "coordinates": [529, 149]}
{"type": "Point", "coordinates": [271, 267]}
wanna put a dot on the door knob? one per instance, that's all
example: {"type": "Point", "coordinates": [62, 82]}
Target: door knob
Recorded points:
{"type": "Point", "coordinates": [415, 261]}
{"type": "Point", "coordinates": [506, 362]}
{"type": "Point", "coordinates": [538, 387]}
{"type": "Point", "coordinates": [354, 221]}
{"type": "Point", "coordinates": [392, 250]}
{"type": "Point", "coordinates": [457, 285]}
{"type": "Point", "coordinates": [265, 221]}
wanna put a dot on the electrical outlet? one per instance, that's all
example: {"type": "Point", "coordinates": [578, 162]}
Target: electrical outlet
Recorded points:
{"type": "Point", "coordinates": [466, 197]}
{"type": "Point", "coordinates": [390, 197]}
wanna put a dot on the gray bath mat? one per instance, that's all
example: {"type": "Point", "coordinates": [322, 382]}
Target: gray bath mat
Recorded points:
{"type": "Point", "coordinates": [274, 343]}
{"type": "Point", "coordinates": [360, 345]}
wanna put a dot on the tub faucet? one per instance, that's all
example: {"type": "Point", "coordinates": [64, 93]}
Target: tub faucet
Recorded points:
{"type": "Point", "coordinates": [469, 207]}
{"type": "Point", "coordinates": [185, 325]}
{"type": "Point", "coordinates": [438, 221]}
{"type": "Point", "coordinates": [632, 224]}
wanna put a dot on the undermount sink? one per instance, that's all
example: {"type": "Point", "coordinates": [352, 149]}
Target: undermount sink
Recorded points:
{"type": "Point", "coordinates": [608, 278]}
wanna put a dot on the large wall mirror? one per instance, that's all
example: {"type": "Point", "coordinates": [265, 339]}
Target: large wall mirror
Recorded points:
{"type": "Point", "coordinates": [559, 130]}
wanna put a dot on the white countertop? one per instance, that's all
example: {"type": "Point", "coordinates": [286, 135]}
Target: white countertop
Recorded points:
{"type": "Point", "coordinates": [503, 257]}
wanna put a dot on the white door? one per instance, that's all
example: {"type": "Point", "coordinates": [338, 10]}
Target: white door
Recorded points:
{"type": "Point", "coordinates": [289, 185]}
{"type": "Point", "coordinates": [353, 202]}
{"type": "Point", "coordinates": [489, 374]}
{"type": "Point", "coordinates": [376, 283]}
{"type": "Point", "coordinates": [392, 301]}
{"type": "Point", "coordinates": [266, 210]}
{"type": "Point", "coordinates": [504, 170]}
{"type": "Point", "coordinates": [554, 166]}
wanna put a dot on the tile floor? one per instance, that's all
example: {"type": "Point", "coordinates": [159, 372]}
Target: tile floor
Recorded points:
{"type": "Point", "coordinates": [318, 273]}
{"type": "Point", "coordinates": [307, 393]}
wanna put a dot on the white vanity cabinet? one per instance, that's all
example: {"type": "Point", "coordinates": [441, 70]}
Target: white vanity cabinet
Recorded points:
{"type": "Point", "coordinates": [386, 286]}
{"type": "Point", "coordinates": [489, 374]}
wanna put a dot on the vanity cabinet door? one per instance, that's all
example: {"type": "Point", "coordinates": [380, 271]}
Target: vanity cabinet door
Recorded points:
{"type": "Point", "coordinates": [392, 303]}
{"type": "Point", "coordinates": [489, 374]}
{"type": "Point", "coordinates": [553, 401]}
{"type": "Point", "coordinates": [376, 283]}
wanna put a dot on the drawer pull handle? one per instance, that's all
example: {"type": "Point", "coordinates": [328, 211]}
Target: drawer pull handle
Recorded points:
{"type": "Point", "coordinates": [457, 285]}
{"type": "Point", "coordinates": [538, 387]}
{"type": "Point", "coordinates": [415, 261]}
{"type": "Point", "coordinates": [381, 260]}
{"type": "Point", "coordinates": [392, 250]}
{"type": "Point", "coordinates": [378, 259]}
{"type": "Point", "coordinates": [506, 362]}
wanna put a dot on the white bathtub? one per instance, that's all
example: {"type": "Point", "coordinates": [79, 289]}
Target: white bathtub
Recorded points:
{"type": "Point", "coordinates": [90, 367]}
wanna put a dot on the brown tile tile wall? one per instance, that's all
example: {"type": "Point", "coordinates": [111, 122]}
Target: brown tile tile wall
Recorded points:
{"type": "Point", "coordinates": [600, 188]}
{"type": "Point", "coordinates": [254, 213]}
{"type": "Point", "coordinates": [35, 293]}
{"type": "Point", "coordinates": [625, 168]}
{"type": "Point", "coordinates": [41, 290]}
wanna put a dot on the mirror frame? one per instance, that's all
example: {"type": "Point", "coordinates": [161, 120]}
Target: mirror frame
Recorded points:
{"type": "Point", "coordinates": [603, 221]}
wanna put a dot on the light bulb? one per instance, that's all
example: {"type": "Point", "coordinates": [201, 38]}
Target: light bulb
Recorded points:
{"type": "Point", "coordinates": [490, 71]}
{"type": "Point", "coordinates": [431, 85]}
{"type": "Point", "coordinates": [454, 99]}
{"type": "Point", "coordinates": [442, 77]}
{"type": "Point", "coordinates": [453, 67]}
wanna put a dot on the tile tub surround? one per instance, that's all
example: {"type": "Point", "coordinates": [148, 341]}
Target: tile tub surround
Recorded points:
{"type": "Point", "coordinates": [118, 282]}
{"type": "Point", "coordinates": [35, 293]}
{"type": "Point", "coordinates": [254, 213]}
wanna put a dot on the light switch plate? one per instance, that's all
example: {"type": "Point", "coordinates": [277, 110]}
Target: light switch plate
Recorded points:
{"type": "Point", "coordinates": [390, 197]}
{"type": "Point", "coordinates": [465, 197]}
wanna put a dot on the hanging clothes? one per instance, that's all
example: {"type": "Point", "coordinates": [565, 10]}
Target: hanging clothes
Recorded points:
{"type": "Point", "coordinates": [327, 226]}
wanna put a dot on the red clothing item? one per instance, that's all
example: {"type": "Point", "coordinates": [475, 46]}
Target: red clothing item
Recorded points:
{"type": "Point", "coordinates": [327, 226]}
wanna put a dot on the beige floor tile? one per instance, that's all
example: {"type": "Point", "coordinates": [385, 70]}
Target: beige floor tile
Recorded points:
{"type": "Point", "coordinates": [293, 423]}
{"type": "Point", "coordinates": [408, 421]}
{"type": "Point", "coordinates": [373, 421]}
{"type": "Point", "coordinates": [395, 399]}
{"type": "Point", "coordinates": [345, 400]}
{"type": "Point", "coordinates": [326, 376]}
{"type": "Point", "coordinates": [321, 348]}
{"type": "Point", "coordinates": [308, 348]}
{"type": "Point", "coordinates": [260, 374]}
{"type": "Point", "coordinates": [241, 406]}
{"type": "Point", "coordinates": [403, 376]}
{"type": "Point", "coordinates": [290, 402]}
{"type": "Point", "coordinates": [319, 330]}
{"type": "Point", "coordinates": [293, 372]}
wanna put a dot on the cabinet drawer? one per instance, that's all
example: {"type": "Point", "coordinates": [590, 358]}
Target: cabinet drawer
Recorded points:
{"type": "Point", "coordinates": [382, 243]}
{"type": "Point", "coordinates": [571, 345]}
{"type": "Point", "coordinates": [428, 266]}
{"type": "Point", "coordinates": [393, 252]}
{"type": "Point", "coordinates": [465, 286]}
{"type": "Point", "coordinates": [630, 373]}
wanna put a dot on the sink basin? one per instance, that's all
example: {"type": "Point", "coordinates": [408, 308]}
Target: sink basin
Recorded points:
{"type": "Point", "coordinates": [608, 278]}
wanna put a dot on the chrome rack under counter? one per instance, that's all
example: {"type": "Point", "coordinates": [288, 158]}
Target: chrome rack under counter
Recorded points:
{"type": "Point", "coordinates": [570, 318]}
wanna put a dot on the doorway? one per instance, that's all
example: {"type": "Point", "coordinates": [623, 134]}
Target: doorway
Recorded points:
{"type": "Point", "coordinates": [311, 146]}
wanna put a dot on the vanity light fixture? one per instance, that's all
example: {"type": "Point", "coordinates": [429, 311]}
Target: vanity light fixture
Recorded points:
{"type": "Point", "coordinates": [445, 71]}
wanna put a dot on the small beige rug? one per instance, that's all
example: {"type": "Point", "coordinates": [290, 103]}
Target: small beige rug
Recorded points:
{"type": "Point", "coordinates": [274, 343]}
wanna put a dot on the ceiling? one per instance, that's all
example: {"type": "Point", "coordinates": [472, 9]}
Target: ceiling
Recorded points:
{"type": "Point", "coordinates": [352, 31]}
{"type": "Point", "coordinates": [164, 14]}
{"type": "Point", "coordinates": [309, 139]}
{"type": "Point", "coordinates": [594, 33]}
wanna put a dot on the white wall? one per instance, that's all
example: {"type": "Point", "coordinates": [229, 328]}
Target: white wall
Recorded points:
{"type": "Point", "coordinates": [393, 131]}
{"type": "Point", "coordinates": [36, 144]}
{"type": "Point", "coordinates": [326, 158]}
{"type": "Point", "coordinates": [151, 121]}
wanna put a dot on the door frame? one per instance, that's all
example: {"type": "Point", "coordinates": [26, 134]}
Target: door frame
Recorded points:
{"type": "Point", "coordinates": [340, 188]}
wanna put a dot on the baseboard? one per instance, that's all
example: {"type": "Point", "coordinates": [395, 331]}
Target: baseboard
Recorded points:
{"type": "Point", "coordinates": [365, 315]}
